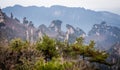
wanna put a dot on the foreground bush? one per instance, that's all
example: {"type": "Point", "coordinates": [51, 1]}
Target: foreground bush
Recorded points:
{"type": "Point", "coordinates": [54, 64]}
{"type": "Point", "coordinates": [49, 54]}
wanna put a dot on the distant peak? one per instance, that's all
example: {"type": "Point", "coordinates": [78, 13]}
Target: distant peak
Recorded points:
{"type": "Point", "coordinates": [17, 5]}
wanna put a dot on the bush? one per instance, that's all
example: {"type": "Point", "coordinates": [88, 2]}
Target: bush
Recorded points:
{"type": "Point", "coordinates": [49, 54]}
{"type": "Point", "coordinates": [54, 64]}
{"type": "Point", "coordinates": [48, 47]}
{"type": "Point", "coordinates": [17, 44]}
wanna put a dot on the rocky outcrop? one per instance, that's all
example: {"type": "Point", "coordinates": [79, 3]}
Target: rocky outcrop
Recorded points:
{"type": "Point", "coordinates": [56, 25]}
{"type": "Point", "coordinates": [104, 35]}
{"type": "Point", "coordinates": [1, 16]}
{"type": "Point", "coordinates": [12, 28]}
{"type": "Point", "coordinates": [42, 29]}
{"type": "Point", "coordinates": [114, 56]}
{"type": "Point", "coordinates": [53, 31]}
{"type": "Point", "coordinates": [73, 33]}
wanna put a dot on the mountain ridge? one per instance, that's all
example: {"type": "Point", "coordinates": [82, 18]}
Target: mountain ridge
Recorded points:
{"type": "Point", "coordinates": [74, 16]}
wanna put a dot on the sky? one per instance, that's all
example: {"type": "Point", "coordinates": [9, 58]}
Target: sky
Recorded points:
{"type": "Point", "coordinates": [97, 5]}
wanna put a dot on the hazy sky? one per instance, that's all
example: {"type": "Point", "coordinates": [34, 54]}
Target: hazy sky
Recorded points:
{"type": "Point", "coordinates": [102, 5]}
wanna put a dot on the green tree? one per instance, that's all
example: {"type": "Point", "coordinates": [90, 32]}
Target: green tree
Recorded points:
{"type": "Point", "coordinates": [48, 47]}
{"type": "Point", "coordinates": [89, 51]}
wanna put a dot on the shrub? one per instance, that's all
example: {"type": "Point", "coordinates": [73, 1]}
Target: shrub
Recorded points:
{"type": "Point", "coordinates": [48, 47]}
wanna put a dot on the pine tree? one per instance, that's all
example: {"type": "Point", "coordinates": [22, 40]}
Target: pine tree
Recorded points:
{"type": "Point", "coordinates": [11, 15]}
{"type": "Point", "coordinates": [48, 47]}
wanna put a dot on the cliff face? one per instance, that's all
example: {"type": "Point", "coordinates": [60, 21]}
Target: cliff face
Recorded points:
{"type": "Point", "coordinates": [1, 16]}
{"type": "Point", "coordinates": [104, 29]}
{"type": "Point", "coordinates": [55, 25]}
{"type": "Point", "coordinates": [73, 33]}
{"type": "Point", "coordinates": [114, 56]}
{"type": "Point", "coordinates": [11, 28]}
{"type": "Point", "coordinates": [104, 35]}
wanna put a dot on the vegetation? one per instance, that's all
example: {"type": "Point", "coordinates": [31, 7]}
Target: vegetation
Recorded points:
{"type": "Point", "coordinates": [50, 54]}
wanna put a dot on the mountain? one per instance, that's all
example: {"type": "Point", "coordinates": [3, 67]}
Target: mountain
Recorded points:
{"type": "Point", "coordinates": [104, 35]}
{"type": "Point", "coordinates": [75, 16]}
{"type": "Point", "coordinates": [11, 28]}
